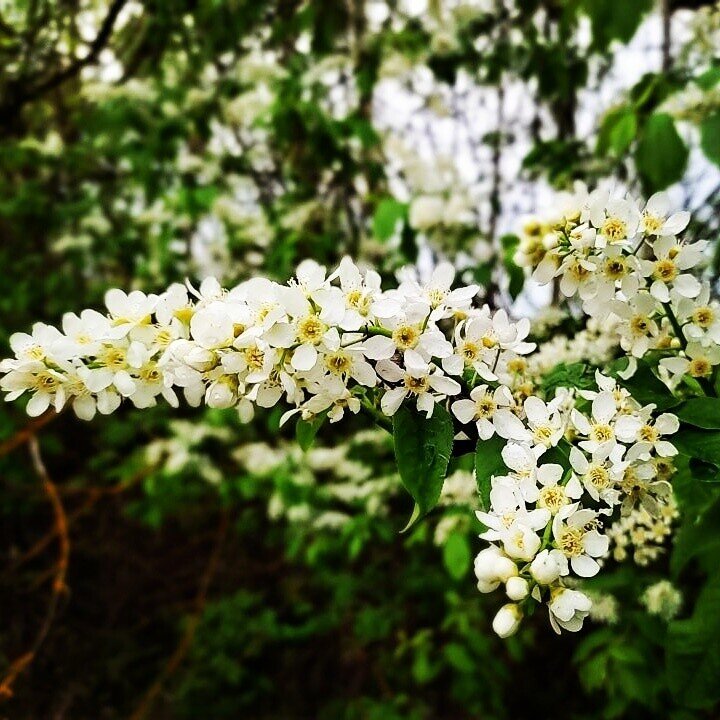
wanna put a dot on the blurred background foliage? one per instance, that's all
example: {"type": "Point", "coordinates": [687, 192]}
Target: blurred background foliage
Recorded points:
{"type": "Point", "coordinates": [218, 570]}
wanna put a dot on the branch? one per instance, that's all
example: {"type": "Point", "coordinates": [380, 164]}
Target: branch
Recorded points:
{"type": "Point", "coordinates": [60, 572]}
{"type": "Point", "coordinates": [22, 91]}
{"type": "Point", "coordinates": [25, 434]}
{"type": "Point", "coordinates": [94, 494]}
{"type": "Point", "coordinates": [183, 647]}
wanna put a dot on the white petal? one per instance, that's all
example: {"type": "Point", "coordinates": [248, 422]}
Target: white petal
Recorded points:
{"type": "Point", "coordinates": [378, 347]}
{"type": "Point", "coordinates": [603, 407]}
{"type": "Point", "coordinates": [659, 290]}
{"type": "Point", "coordinates": [304, 358]}
{"type": "Point", "coordinates": [464, 410]}
{"type": "Point", "coordinates": [364, 374]}
{"type": "Point", "coordinates": [536, 410]}
{"type": "Point", "coordinates": [84, 407]}
{"type": "Point", "coordinates": [453, 365]}
{"type": "Point", "coordinates": [38, 404]}
{"type": "Point", "coordinates": [584, 566]}
{"type": "Point", "coordinates": [389, 371]}
{"type": "Point", "coordinates": [392, 400]}
{"type": "Point", "coordinates": [665, 449]}
{"type": "Point", "coordinates": [687, 286]}
{"type": "Point", "coordinates": [676, 223]}
{"type": "Point", "coordinates": [667, 424]}
{"type": "Point", "coordinates": [124, 383]}
{"type": "Point", "coordinates": [658, 204]}
{"type": "Point", "coordinates": [595, 544]}
{"type": "Point", "coordinates": [509, 425]}
{"type": "Point", "coordinates": [444, 385]}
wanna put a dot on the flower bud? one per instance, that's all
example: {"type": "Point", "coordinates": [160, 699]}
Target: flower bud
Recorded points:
{"type": "Point", "coordinates": [485, 564]}
{"type": "Point", "coordinates": [507, 620]}
{"type": "Point", "coordinates": [485, 586]}
{"type": "Point", "coordinates": [545, 568]}
{"type": "Point", "coordinates": [220, 395]}
{"type": "Point", "coordinates": [505, 568]}
{"type": "Point", "coordinates": [550, 241]}
{"type": "Point", "coordinates": [200, 359]}
{"type": "Point", "coordinates": [517, 588]}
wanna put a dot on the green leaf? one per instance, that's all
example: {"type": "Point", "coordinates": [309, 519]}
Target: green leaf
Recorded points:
{"type": "Point", "coordinates": [575, 375]}
{"type": "Point", "coordinates": [661, 155]}
{"type": "Point", "coordinates": [516, 274]}
{"type": "Point", "coordinates": [457, 555]}
{"type": "Point", "coordinates": [709, 78]}
{"type": "Point", "coordinates": [701, 444]}
{"type": "Point", "coordinates": [692, 496]}
{"type": "Point", "coordinates": [305, 431]}
{"type": "Point", "coordinates": [623, 133]}
{"type": "Point", "coordinates": [700, 412]}
{"type": "Point", "coordinates": [700, 539]}
{"type": "Point", "coordinates": [488, 462]}
{"type": "Point", "coordinates": [693, 651]}
{"type": "Point", "coordinates": [607, 125]}
{"type": "Point", "coordinates": [423, 447]}
{"type": "Point", "coordinates": [618, 130]}
{"type": "Point", "coordinates": [560, 454]}
{"type": "Point", "coordinates": [387, 214]}
{"type": "Point", "coordinates": [644, 385]}
{"type": "Point", "coordinates": [614, 19]}
{"type": "Point", "coordinates": [459, 658]}
{"type": "Point", "coordinates": [710, 137]}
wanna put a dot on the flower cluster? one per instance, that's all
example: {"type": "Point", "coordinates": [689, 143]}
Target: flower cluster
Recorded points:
{"type": "Point", "coordinates": [572, 461]}
{"type": "Point", "coordinates": [629, 268]}
{"type": "Point", "coordinates": [643, 535]}
{"type": "Point", "coordinates": [662, 599]}
{"type": "Point", "coordinates": [323, 343]}
{"type": "Point", "coordinates": [327, 344]}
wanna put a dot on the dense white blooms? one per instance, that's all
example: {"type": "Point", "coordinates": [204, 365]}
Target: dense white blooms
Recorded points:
{"type": "Point", "coordinates": [331, 343]}
{"type": "Point", "coordinates": [631, 272]}
{"type": "Point", "coordinates": [542, 535]}
{"type": "Point", "coordinates": [634, 278]}
{"type": "Point", "coordinates": [640, 535]}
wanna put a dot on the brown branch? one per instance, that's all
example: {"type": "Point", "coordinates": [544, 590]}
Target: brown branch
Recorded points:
{"type": "Point", "coordinates": [24, 90]}
{"type": "Point", "coordinates": [96, 47]}
{"type": "Point", "coordinates": [665, 49]}
{"type": "Point", "coordinates": [148, 700]}
{"type": "Point", "coordinates": [93, 495]}
{"type": "Point", "coordinates": [60, 572]}
{"type": "Point", "coordinates": [25, 434]}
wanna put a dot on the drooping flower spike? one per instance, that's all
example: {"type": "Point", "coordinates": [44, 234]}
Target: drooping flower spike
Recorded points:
{"type": "Point", "coordinates": [326, 344]}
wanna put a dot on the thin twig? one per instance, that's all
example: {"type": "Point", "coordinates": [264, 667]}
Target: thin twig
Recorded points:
{"type": "Point", "coordinates": [93, 495]}
{"type": "Point", "coordinates": [59, 575]}
{"type": "Point", "coordinates": [148, 700]}
{"type": "Point", "coordinates": [26, 89]}
{"type": "Point", "coordinates": [24, 434]}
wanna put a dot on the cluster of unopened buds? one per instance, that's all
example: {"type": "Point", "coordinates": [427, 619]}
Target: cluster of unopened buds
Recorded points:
{"type": "Point", "coordinates": [327, 344]}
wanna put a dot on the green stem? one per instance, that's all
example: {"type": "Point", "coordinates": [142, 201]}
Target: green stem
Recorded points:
{"type": "Point", "coordinates": [706, 385]}
{"type": "Point", "coordinates": [376, 330]}
{"type": "Point", "coordinates": [546, 535]}
{"type": "Point", "coordinates": [382, 420]}
{"type": "Point", "coordinates": [677, 328]}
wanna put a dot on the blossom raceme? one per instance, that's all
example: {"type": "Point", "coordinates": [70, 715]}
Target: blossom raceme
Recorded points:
{"type": "Point", "coordinates": [629, 267]}
{"type": "Point", "coordinates": [326, 344]}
